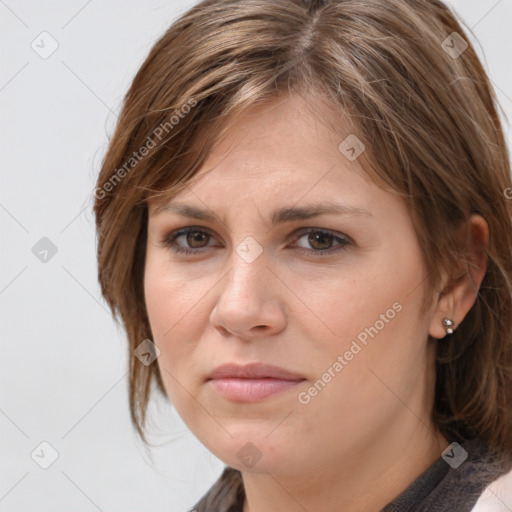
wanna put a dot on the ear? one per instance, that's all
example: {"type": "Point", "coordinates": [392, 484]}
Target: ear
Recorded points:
{"type": "Point", "coordinates": [460, 291]}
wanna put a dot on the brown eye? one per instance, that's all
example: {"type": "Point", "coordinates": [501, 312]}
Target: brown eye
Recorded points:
{"type": "Point", "coordinates": [196, 239]}
{"type": "Point", "coordinates": [323, 242]}
{"type": "Point", "coordinates": [320, 240]}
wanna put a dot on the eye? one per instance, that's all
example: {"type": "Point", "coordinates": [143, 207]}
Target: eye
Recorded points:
{"type": "Point", "coordinates": [194, 236]}
{"type": "Point", "coordinates": [322, 241]}
{"type": "Point", "coordinates": [197, 239]}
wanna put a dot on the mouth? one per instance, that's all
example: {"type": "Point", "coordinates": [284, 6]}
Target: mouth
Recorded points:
{"type": "Point", "coordinates": [252, 382]}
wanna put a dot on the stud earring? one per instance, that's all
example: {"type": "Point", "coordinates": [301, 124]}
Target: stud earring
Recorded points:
{"type": "Point", "coordinates": [448, 324]}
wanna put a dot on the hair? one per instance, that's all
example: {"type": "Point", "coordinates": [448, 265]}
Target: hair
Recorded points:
{"type": "Point", "coordinates": [428, 118]}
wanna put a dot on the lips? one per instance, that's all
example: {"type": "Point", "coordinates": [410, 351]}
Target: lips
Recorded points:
{"type": "Point", "coordinates": [253, 382]}
{"type": "Point", "coordinates": [254, 371]}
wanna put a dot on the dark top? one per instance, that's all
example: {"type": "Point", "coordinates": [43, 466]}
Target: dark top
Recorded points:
{"type": "Point", "coordinates": [453, 483]}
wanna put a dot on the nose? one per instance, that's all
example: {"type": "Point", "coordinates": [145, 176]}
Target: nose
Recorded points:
{"type": "Point", "coordinates": [250, 302]}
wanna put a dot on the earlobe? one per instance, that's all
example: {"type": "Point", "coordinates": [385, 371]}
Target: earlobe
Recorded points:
{"type": "Point", "coordinates": [460, 296]}
{"type": "Point", "coordinates": [449, 325]}
{"type": "Point", "coordinates": [443, 316]}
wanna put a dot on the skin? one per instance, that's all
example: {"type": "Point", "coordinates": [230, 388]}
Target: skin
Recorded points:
{"type": "Point", "coordinates": [367, 434]}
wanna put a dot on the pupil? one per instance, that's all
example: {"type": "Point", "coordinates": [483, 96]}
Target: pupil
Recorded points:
{"type": "Point", "coordinates": [314, 237]}
{"type": "Point", "coordinates": [195, 236]}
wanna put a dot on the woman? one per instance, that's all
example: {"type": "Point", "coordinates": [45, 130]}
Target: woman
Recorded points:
{"type": "Point", "coordinates": [369, 372]}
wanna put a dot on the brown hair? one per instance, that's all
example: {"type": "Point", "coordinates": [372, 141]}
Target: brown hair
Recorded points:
{"type": "Point", "coordinates": [415, 94]}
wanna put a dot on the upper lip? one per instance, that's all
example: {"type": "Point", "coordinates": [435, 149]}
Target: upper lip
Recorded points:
{"type": "Point", "coordinates": [253, 371]}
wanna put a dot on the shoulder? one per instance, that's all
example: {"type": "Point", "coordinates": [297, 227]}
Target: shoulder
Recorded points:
{"type": "Point", "coordinates": [497, 496]}
{"type": "Point", "coordinates": [471, 485]}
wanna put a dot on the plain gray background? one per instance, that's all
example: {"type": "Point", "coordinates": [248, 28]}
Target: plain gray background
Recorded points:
{"type": "Point", "coordinates": [64, 363]}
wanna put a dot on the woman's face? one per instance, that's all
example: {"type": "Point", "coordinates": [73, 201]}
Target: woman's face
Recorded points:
{"type": "Point", "coordinates": [332, 298]}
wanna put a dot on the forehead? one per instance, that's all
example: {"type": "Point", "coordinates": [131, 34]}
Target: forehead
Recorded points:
{"type": "Point", "coordinates": [285, 153]}
{"type": "Point", "coordinates": [291, 143]}
{"type": "Point", "coordinates": [290, 129]}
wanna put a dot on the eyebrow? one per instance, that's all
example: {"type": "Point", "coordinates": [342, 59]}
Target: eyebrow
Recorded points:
{"type": "Point", "coordinates": [281, 215]}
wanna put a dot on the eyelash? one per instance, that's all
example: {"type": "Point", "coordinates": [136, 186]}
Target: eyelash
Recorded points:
{"type": "Point", "coordinates": [344, 241]}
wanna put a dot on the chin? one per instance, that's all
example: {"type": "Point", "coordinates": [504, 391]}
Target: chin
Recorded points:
{"type": "Point", "coordinates": [251, 448]}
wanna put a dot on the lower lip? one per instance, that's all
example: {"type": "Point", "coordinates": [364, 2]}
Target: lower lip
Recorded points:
{"type": "Point", "coordinates": [251, 390]}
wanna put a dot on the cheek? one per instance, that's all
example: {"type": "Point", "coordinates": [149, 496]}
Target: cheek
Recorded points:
{"type": "Point", "coordinates": [165, 309]}
{"type": "Point", "coordinates": [159, 304]}
{"type": "Point", "coordinates": [167, 313]}
{"type": "Point", "coordinates": [170, 298]}
{"type": "Point", "coordinates": [363, 393]}
{"type": "Point", "coordinates": [367, 296]}
{"type": "Point", "coordinates": [176, 309]}
{"type": "Point", "coordinates": [370, 317]}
